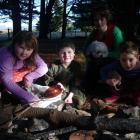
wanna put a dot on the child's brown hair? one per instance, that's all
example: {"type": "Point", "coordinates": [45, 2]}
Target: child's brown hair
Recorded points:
{"type": "Point", "coordinates": [30, 41]}
{"type": "Point", "coordinates": [66, 43]}
{"type": "Point", "coordinates": [103, 12]}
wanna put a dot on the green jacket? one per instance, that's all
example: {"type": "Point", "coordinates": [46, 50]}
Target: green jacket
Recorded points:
{"type": "Point", "coordinates": [67, 76]}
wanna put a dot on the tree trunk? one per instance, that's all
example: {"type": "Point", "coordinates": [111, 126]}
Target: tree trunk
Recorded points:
{"type": "Point", "coordinates": [42, 20]}
{"type": "Point", "coordinates": [16, 16]}
{"type": "Point", "coordinates": [30, 14]}
{"type": "Point", "coordinates": [48, 16]}
{"type": "Point", "coordinates": [64, 20]}
{"type": "Point", "coordinates": [45, 20]}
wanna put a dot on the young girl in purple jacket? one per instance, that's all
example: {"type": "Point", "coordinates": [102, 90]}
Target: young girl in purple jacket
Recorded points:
{"type": "Point", "coordinates": [20, 62]}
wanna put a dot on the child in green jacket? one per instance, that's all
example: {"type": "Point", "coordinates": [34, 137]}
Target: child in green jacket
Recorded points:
{"type": "Point", "coordinates": [67, 72]}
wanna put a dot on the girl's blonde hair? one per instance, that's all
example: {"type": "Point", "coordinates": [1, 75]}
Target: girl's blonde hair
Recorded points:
{"type": "Point", "coordinates": [129, 47]}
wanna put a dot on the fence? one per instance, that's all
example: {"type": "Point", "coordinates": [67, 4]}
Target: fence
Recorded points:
{"type": "Point", "coordinates": [7, 34]}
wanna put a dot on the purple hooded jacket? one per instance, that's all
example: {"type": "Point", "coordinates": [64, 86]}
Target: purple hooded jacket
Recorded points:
{"type": "Point", "coordinates": [6, 74]}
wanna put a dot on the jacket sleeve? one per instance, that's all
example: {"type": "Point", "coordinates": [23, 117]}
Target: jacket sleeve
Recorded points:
{"type": "Point", "coordinates": [6, 74]}
{"type": "Point", "coordinates": [50, 75]}
{"type": "Point", "coordinates": [41, 69]}
{"type": "Point", "coordinates": [118, 39]}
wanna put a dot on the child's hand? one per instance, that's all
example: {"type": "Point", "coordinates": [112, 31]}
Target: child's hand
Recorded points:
{"type": "Point", "coordinates": [61, 85]}
{"type": "Point", "coordinates": [69, 98]}
{"type": "Point", "coordinates": [35, 100]}
{"type": "Point", "coordinates": [37, 104]}
{"type": "Point", "coordinates": [27, 83]}
{"type": "Point", "coordinates": [114, 82]}
{"type": "Point", "coordinates": [110, 82]}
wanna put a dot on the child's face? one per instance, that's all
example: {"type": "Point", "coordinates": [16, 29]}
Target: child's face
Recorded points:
{"type": "Point", "coordinates": [22, 52]}
{"type": "Point", "coordinates": [66, 55]}
{"type": "Point", "coordinates": [129, 61]}
{"type": "Point", "coordinates": [101, 23]}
